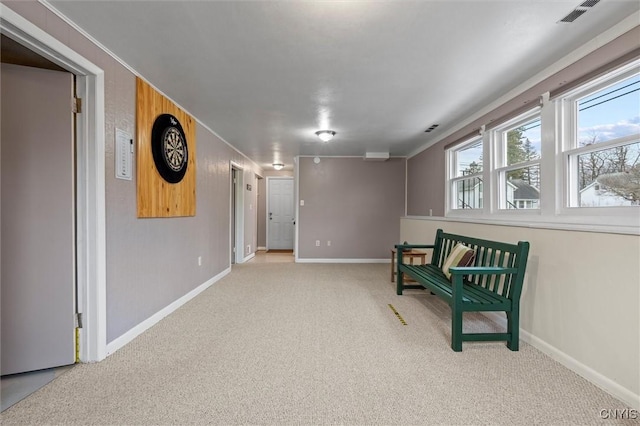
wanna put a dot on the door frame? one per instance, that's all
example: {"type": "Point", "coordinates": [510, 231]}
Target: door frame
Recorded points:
{"type": "Point", "coordinates": [268, 195]}
{"type": "Point", "coordinates": [90, 177]}
{"type": "Point", "coordinates": [256, 201]}
{"type": "Point", "coordinates": [238, 256]}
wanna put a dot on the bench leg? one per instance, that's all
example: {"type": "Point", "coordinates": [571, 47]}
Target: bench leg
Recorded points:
{"type": "Point", "coordinates": [399, 283]}
{"type": "Point", "coordinates": [513, 327]}
{"type": "Point", "coordinates": [456, 330]}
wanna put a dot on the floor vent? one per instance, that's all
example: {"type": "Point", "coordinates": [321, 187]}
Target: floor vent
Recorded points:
{"type": "Point", "coordinates": [579, 11]}
{"type": "Point", "coordinates": [397, 314]}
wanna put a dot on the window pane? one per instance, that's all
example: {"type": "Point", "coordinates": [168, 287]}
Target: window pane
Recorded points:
{"type": "Point", "coordinates": [610, 177]}
{"type": "Point", "coordinates": [610, 113]}
{"type": "Point", "coordinates": [468, 193]}
{"type": "Point", "coordinates": [523, 188]}
{"type": "Point", "coordinates": [469, 159]}
{"type": "Point", "coordinates": [523, 143]}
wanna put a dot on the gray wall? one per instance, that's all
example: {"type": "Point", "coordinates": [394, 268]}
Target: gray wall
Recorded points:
{"type": "Point", "coordinates": [353, 203]}
{"type": "Point", "coordinates": [153, 262]}
{"type": "Point", "coordinates": [426, 171]}
{"type": "Point", "coordinates": [425, 182]}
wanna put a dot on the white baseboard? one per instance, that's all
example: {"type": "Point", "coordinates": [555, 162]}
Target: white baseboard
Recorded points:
{"type": "Point", "coordinates": [248, 258]}
{"type": "Point", "coordinates": [598, 379]}
{"type": "Point", "coordinates": [307, 260]}
{"type": "Point", "coordinates": [261, 249]}
{"type": "Point", "coordinates": [155, 318]}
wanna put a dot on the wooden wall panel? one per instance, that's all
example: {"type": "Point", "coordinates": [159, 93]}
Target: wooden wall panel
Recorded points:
{"type": "Point", "coordinates": [157, 197]}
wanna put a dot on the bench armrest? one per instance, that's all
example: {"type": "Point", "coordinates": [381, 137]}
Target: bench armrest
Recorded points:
{"type": "Point", "coordinates": [481, 270]}
{"type": "Point", "coordinates": [412, 246]}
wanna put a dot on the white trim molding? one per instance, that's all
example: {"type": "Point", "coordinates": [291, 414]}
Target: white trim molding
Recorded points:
{"type": "Point", "coordinates": [627, 24]}
{"type": "Point", "coordinates": [603, 382]}
{"type": "Point", "coordinates": [238, 238]}
{"type": "Point", "coordinates": [296, 200]}
{"type": "Point", "coordinates": [535, 221]}
{"type": "Point", "coordinates": [127, 337]}
{"type": "Point", "coordinates": [93, 40]}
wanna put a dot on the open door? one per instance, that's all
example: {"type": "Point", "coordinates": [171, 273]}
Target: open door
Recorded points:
{"type": "Point", "coordinates": [37, 219]}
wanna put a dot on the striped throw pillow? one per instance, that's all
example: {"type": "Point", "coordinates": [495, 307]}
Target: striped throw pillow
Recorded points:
{"type": "Point", "coordinates": [460, 255]}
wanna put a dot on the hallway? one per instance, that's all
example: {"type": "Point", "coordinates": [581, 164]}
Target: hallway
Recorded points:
{"type": "Point", "coordinates": [273, 256]}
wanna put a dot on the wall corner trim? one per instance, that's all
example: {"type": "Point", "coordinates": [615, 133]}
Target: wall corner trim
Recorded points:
{"type": "Point", "coordinates": [158, 316]}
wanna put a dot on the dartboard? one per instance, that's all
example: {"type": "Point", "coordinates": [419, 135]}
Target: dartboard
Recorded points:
{"type": "Point", "coordinates": [169, 147]}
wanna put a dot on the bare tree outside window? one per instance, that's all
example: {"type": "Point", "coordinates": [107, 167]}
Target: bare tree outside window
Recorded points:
{"type": "Point", "coordinates": [606, 116]}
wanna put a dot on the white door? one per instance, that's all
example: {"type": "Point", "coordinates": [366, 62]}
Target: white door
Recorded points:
{"type": "Point", "coordinates": [280, 214]}
{"type": "Point", "coordinates": [37, 220]}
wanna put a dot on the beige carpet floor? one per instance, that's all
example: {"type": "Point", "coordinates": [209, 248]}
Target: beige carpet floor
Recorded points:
{"type": "Point", "coordinates": [314, 344]}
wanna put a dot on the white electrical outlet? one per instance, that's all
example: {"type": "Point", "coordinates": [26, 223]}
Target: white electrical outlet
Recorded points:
{"type": "Point", "coordinates": [317, 243]}
{"type": "Point", "coordinates": [199, 260]}
{"type": "Point", "coordinates": [329, 243]}
{"type": "Point", "coordinates": [249, 248]}
{"type": "Point", "coordinates": [301, 203]}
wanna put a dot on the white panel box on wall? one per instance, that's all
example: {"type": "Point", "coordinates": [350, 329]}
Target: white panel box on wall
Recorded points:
{"type": "Point", "coordinates": [376, 156]}
{"type": "Point", "coordinates": [124, 155]}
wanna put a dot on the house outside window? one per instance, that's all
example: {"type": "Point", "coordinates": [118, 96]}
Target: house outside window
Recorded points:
{"type": "Point", "coordinates": [517, 148]}
{"type": "Point", "coordinates": [602, 141]}
{"type": "Point", "coordinates": [466, 176]}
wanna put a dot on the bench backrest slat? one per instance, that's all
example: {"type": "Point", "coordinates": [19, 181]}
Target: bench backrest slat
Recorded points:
{"type": "Point", "coordinates": [488, 253]}
{"type": "Point", "coordinates": [510, 264]}
{"type": "Point", "coordinates": [437, 258]}
{"type": "Point", "coordinates": [500, 284]}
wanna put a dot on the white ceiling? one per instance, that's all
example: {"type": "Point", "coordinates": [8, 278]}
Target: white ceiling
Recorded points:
{"type": "Point", "coordinates": [265, 75]}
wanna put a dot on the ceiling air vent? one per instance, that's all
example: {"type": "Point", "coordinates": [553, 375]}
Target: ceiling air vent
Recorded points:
{"type": "Point", "coordinates": [579, 11]}
{"type": "Point", "coordinates": [431, 128]}
{"type": "Point", "coordinates": [589, 3]}
{"type": "Point", "coordinates": [573, 15]}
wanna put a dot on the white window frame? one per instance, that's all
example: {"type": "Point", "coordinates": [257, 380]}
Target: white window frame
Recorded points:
{"type": "Point", "coordinates": [558, 120]}
{"type": "Point", "coordinates": [567, 160]}
{"type": "Point", "coordinates": [452, 179]}
{"type": "Point", "coordinates": [498, 147]}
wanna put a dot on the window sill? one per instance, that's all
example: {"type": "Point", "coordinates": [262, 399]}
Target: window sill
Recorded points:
{"type": "Point", "coordinates": [605, 225]}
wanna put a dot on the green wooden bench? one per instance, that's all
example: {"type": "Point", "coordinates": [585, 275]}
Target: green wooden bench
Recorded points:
{"type": "Point", "coordinates": [493, 282]}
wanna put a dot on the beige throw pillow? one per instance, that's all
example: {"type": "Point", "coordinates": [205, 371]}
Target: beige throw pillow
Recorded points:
{"type": "Point", "coordinates": [460, 255]}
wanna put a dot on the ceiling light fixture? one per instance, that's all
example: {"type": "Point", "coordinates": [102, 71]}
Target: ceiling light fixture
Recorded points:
{"type": "Point", "coordinates": [325, 135]}
{"type": "Point", "coordinates": [278, 166]}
